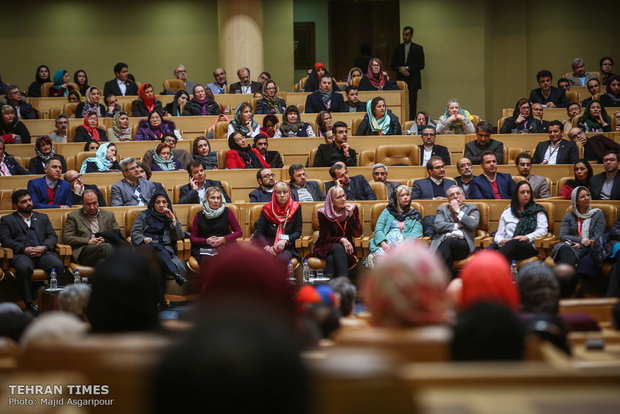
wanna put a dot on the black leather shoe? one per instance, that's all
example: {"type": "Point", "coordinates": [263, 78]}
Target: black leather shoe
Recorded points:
{"type": "Point", "coordinates": [31, 307]}
{"type": "Point", "coordinates": [179, 279]}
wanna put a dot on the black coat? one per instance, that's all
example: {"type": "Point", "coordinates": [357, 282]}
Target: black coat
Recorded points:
{"type": "Point", "coordinates": [16, 127]}
{"type": "Point", "coordinates": [138, 107]}
{"type": "Point", "coordinates": [265, 231]}
{"type": "Point", "coordinates": [596, 185]}
{"type": "Point", "coordinates": [366, 85]}
{"type": "Point", "coordinates": [13, 167]}
{"type": "Point", "coordinates": [364, 128]}
{"type": "Point", "coordinates": [77, 200]}
{"type": "Point", "coordinates": [557, 96]}
{"type": "Point", "coordinates": [255, 87]}
{"type": "Point", "coordinates": [415, 62]}
{"type": "Point", "coordinates": [314, 103]}
{"type": "Point", "coordinates": [263, 108]}
{"type": "Point", "coordinates": [111, 88]}
{"type": "Point", "coordinates": [36, 165]}
{"type": "Point", "coordinates": [328, 154]}
{"type": "Point", "coordinates": [567, 153]}
{"type": "Point", "coordinates": [187, 195]}
{"type": "Point", "coordinates": [80, 108]}
{"type": "Point", "coordinates": [81, 135]}
{"type": "Point", "coordinates": [438, 150]}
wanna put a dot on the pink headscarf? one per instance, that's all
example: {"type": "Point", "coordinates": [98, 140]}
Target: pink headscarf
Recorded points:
{"type": "Point", "coordinates": [329, 211]}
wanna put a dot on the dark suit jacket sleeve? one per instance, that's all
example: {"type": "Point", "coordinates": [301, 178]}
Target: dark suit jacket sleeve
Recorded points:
{"type": "Point", "coordinates": [351, 161]}
{"type": "Point", "coordinates": [539, 153]}
{"type": "Point", "coordinates": [7, 237]}
{"type": "Point", "coordinates": [319, 157]}
{"type": "Point", "coordinates": [309, 107]}
{"type": "Point", "coordinates": [188, 195]}
{"type": "Point", "coordinates": [475, 190]}
{"type": "Point", "coordinates": [561, 100]}
{"type": "Point", "coordinates": [573, 152]}
{"type": "Point", "coordinates": [50, 238]}
{"type": "Point", "coordinates": [444, 153]}
{"type": "Point", "coordinates": [416, 191]}
{"type": "Point", "coordinates": [596, 185]}
{"type": "Point", "coordinates": [366, 190]}
{"type": "Point", "coordinates": [315, 190]}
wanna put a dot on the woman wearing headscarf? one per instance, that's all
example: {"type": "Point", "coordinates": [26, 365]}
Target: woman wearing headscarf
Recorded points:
{"type": "Point", "coordinates": [292, 125]}
{"type": "Point", "coordinates": [522, 121]}
{"type": "Point", "coordinates": [374, 79]}
{"type": "Point", "coordinates": [44, 148]}
{"type": "Point", "coordinates": [398, 222]}
{"type": "Point", "coordinates": [105, 160]}
{"type": "Point", "coordinates": [354, 72]}
{"type": "Point", "coordinates": [120, 131]}
{"type": "Point", "coordinates": [203, 100]}
{"type": "Point", "coordinates": [163, 159]}
{"type": "Point", "coordinates": [244, 122]}
{"type": "Point", "coordinates": [75, 96]}
{"type": "Point", "coordinates": [422, 120]}
{"type": "Point", "coordinates": [612, 97]}
{"type": "Point", "coordinates": [201, 151]}
{"type": "Point", "coordinates": [153, 128]}
{"type": "Point", "coordinates": [91, 104]}
{"type": "Point", "coordinates": [12, 130]}
{"type": "Point", "coordinates": [379, 120]}
{"type": "Point", "coordinates": [594, 118]}
{"type": "Point", "coordinates": [242, 155]}
{"type": "Point", "coordinates": [339, 222]}
{"type": "Point", "coordinates": [61, 87]}
{"type": "Point", "coordinates": [312, 83]}
{"type": "Point", "coordinates": [181, 106]}
{"type": "Point", "coordinates": [269, 126]}
{"type": "Point", "coordinates": [455, 120]}
{"type": "Point", "coordinates": [89, 130]}
{"type": "Point", "coordinates": [147, 102]}
{"type": "Point", "coordinates": [279, 224]}
{"type": "Point", "coordinates": [41, 76]}
{"type": "Point", "coordinates": [81, 80]}
{"type": "Point", "coordinates": [271, 103]}
{"type": "Point", "coordinates": [520, 224]}
{"type": "Point", "coordinates": [583, 174]}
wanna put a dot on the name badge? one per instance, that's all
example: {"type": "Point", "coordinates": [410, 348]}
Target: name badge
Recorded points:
{"type": "Point", "coordinates": [284, 237]}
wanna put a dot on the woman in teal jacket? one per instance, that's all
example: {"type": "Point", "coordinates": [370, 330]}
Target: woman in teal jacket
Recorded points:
{"type": "Point", "coordinates": [398, 222]}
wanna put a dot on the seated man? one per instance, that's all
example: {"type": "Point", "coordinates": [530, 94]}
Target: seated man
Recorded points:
{"type": "Point", "coordinates": [181, 73]}
{"type": "Point", "coordinates": [540, 187]}
{"type": "Point", "coordinates": [266, 182]}
{"type": "Point", "coordinates": [62, 127]}
{"type": "Point", "coordinates": [563, 83]}
{"type": "Point", "coordinates": [595, 147]}
{"type": "Point", "coordinates": [50, 191]}
{"type": "Point", "coordinates": [23, 110]}
{"type": "Point", "coordinates": [180, 154]}
{"type": "Point", "coordinates": [8, 164]}
{"type": "Point", "coordinates": [433, 187]}
{"type": "Point", "coordinates": [273, 158]}
{"type": "Point", "coordinates": [484, 143]}
{"type": "Point", "coordinates": [572, 110]}
{"type": "Point", "coordinates": [301, 189]}
{"type": "Point", "coordinates": [491, 184]}
{"type": "Point", "coordinates": [338, 150]}
{"type": "Point", "coordinates": [428, 148]}
{"type": "Point", "coordinates": [120, 85]}
{"type": "Point", "coordinates": [31, 236]}
{"type": "Point", "coordinates": [356, 187]}
{"type": "Point", "coordinates": [466, 175]}
{"type": "Point", "coordinates": [219, 86]}
{"type": "Point", "coordinates": [111, 101]}
{"type": "Point", "coordinates": [325, 99]}
{"type": "Point", "coordinates": [579, 77]}
{"type": "Point", "coordinates": [556, 150]}
{"type": "Point", "coordinates": [455, 226]}
{"type": "Point", "coordinates": [353, 103]}
{"type": "Point", "coordinates": [594, 87]}
{"type": "Point", "coordinates": [132, 190]}
{"type": "Point", "coordinates": [245, 85]}
{"type": "Point", "coordinates": [548, 95]}
{"type": "Point", "coordinates": [263, 77]}
{"type": "Point", "coordinates": [89, 231]}
{"type": "Point", "coordinates": [379, 175]}
{"type": "Point", "coordinates": [537, 112]}
{"type": "Point", "coordinates": [195, 191]}
{"type": "Point", "coordinates": [78, 188]}
{"type": "Point", "coordinates": [606, 185]}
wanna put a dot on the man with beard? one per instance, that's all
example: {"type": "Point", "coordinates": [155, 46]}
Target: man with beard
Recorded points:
{"type": "Point", "coordinates": [465, 170]}
{"type": "Point", "coordinates": [266, 182]}
{"type": "Point", "coordinates": [273, 158]}
{"type": "Point", "coordinates": [356, 187]}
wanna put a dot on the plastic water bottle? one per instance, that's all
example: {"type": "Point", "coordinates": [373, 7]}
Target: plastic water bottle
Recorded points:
{"type": "Point", "coordinates": [53, 280]}
{"type": "Point", "coordinates": [291, 270]}
{"type": "Point", "coordinates": [76, 276]}
{"type": "Point", "coordinates": [514, 270]}
{"type": "Point", "coordinates": [306, 272]}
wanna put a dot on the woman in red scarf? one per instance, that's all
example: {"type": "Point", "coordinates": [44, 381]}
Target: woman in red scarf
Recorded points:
{"type": "Point", "coordinates": [314, 79]}
{"type": "Point", "coordinates": [147, 102]}
{"type": "Point", "coordinates": [375, 79]}
{"type": "Point", "coordinates": [279, 224]}
{"type": "Point", "coordinates": [88, 130]}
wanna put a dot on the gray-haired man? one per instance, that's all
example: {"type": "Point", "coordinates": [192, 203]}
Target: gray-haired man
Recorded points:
{"type": "Point", "coordinates": [131, 190]}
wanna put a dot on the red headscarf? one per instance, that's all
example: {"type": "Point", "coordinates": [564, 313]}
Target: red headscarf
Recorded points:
{"type": "Point", "coordinates": [150, 103]}
{"type": "Point", "coordinates": [93, 132]}
{"type": "Point", "coordinates": [280, 215]}
{"type": "Point", "coordinates": [318, 65]}
{"type": "Point", "coordinates": [371, 77]}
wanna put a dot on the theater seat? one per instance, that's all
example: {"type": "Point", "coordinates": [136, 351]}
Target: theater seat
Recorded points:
{"type": "Point", "coordinates": [45, 89]}
{"type": "Point", "coordinates": [379, 189]}
{"type": "Point", "coordinates": [355, 124]}
{"type": "Point", "coordinates": [221, 130]}
{"type": "Point", "coordinates": [367, 158]}
{"type": "Point", "coordinates": [68, 110]}
{"type": "Point", "coordinates": [174, 85]}
{"type": "Point", "coordinates": [356, 80]}
{"type": "Point", "coordinates": [408, 154]}
{"type": "Point", "coordinates": [573, 96]}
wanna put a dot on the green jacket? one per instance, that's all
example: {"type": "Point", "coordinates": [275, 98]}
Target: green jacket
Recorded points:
{"type": "Point", "coordinates": [411, 230]}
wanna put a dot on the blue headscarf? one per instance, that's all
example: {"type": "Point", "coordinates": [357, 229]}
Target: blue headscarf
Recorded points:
{"type": "Point", "coordinates": [103, 164]}
{"type": "Point", "coordinates": [382, 124]}
{"type": "Point", "coordinates": [59, 80]}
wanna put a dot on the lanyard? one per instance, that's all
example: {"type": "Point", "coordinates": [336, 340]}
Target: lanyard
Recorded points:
{"type": "Point", "coordinates": [344, 229]}
{"type": "Point", "coordinates": [285, 220]}
{"type": "Point", "coordinates": [579, 227]}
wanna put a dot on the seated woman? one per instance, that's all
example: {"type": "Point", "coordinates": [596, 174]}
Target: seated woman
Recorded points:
{"type": "Point", "coordinates": [293, 126]}
{"type": "Point", "coordinates": [147, 102]}
{"type": "Point", "coordinates": [90, 130]}
{"type": "Point", "coordinates": [91, 146]}
{"type": "Point", "coordinates": [279, 225]}
{"type": "Point", "coordinates": [242, 155]}
{"type": "Point", "coordinates": [522, 121]}
{"type": "Point", "coordinates": [181, 106]}
{"type": "Point", "coordinates": [244, 122]}
{"type": "Point", "coordinates": [612, 97]}
{"type": "Point", "coordinates": [579, 229]}
{"type": "Point", "coordinates": [354, 72]}
{"type": "Point", "coordinates": [312, 83]}
{"type": "Point", "coordinates": [158, 229]}
{"type": "Point", "coordinates": [44, 148]}
{"type": "Point", "coordinates": [422, 120]}
{"type": "Point", "coordinates": [374, 79]}
{"type": "Point", "coordinates": [397, 223]}
{"type": "Point", "coordinates": [163, 160]}
{"type": "Point", "coordinates": [41, 76]}
{"type": "Point", "coordinates": [583, 173]}
{"type": "Point", "coordinates": [120, 131]}
{"type": "Point", "coordinates": [269, 125]}
{"type": "Point", "coordinates": [520, 224]}
{"type": "Point", "coordinates": [339, 222]}
{"type": "Point", "coordinates": [594, 118]}
{"type": "Point", "coordinates": [75, 96]}
{"type": "Point", "coordinates": [455, 120]}
{"type": "Point", "coordinates": [153, 128]}
{"type": "Point", "coordinates": [214, 226]}
{"type": "Point", "coordinates": [270, 103]}
{"type": "Point", "coordinates": [201, 151]}
{"type": "Point", "coordinates": [81, 80]}
{"type": "Point", "coordinates": [204, 102]}
{"type": "Point", "coordinates": [61, 87]}
{"type": "Point", "coordinates": [324, 124]}
{"type": "Point", "coordinates": [379, 120]}
{"type": "Point", "coordinates": [105, 160]}
{"type": "Point", "coordinates": [91, 104]}
{"type": "Point", "coordinates": [12, 130]}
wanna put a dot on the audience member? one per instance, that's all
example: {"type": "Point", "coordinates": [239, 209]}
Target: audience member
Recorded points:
{"type": "Point", "coordinates": [537, 111]}
{"type": "Point", "coordinates": [266, 183]}
{"type": "Point", "coordinates": [178, 154]}
{"type": "Point", "coordinates": [147, 102]}
{"type": "Point", "coordinates": [220, 84]}
{"type": "Point", "coordinates": [583, 175]}
{"type": "Point", "coordinates": [338, 150]}
{"type": "Point", "coordinates": [325, 98]}
{"type": "Point", "coordinates": [121, 85]}
{"type": "Point", "coordinates": [12, 130]}
{"type": "Point", "coordinates": [8, 164]}
{"type": "Point", "coordinates": [15, 99]}
{"type": "Point", "coordinates": [273, 158]}
{"type": "Point", "coordinates": [429, 149]}
{"type": "Point", "coordinates": [572, 110]}
{"type": "Point", "coordinates": [606, 185]}
{"type": "Point", "coordinates": [355, 188]}
{"type": "Point", "coordinates": [292, 125]}
{"type": "Point", "coordinates": [53, 328]}
{"type": "Point", "coordinates": [245, 85]}
{"type": "Point", "coordinates": [181, 105]}
{"type": "Point", "coordinates": [313, 83]}
{"type": "Point", "coordinates": [484, 143]}
{"type": "Point", "coordinates": [540, 187]}
{"type": "Point", "coordinates": [90, 130]}
{"type": "Point", "coordinates": [380, 174]}
{"type": "Point", "coordinates": [195, 191]}
{"type": "Point", "coordinates": [80, 78]}
{"type": "Point", "coordinates": [354, 72]}
{"type": "Point", "coordinates": [612, 97]}
{"type": "Point", "coordinates": [567, 279]}
{"type": "Point", "coordinates": [564, 84]}
{"type": "Point", "coordinates": [547, 94]}
{"type": "Point", "coordinates": [91, 104]}
{"type": "Point", "coordinates": [44, 148]}
{"type": "Point", "coordinates": [352, 102]}
{"type": "Point", "coordinates": [13, 321]}
{"type": "Point", "coordinates": [61, 86]}
{"type": "Point", "coordinates": [120, 131]}
{"type": "Point", "coordinates": [271, 103]}
{"type": "Point", "coordinates": [62, 129]}
{"type": "Point", "coordinates": [180, 73]}
{"type": "Point", "coordinates": [346, 293]}
{"type": "Point", "coordinates": [465, 177]}
{"type": "Point", "coordinates": [301, 189]}
{"type": "Point", "coordinates": [153, 128]}
{"type": "Point", "coordinates": [91, 146]}
{"type": "Point", "coordinates": [579, 77]}
{"type": "Point", "coordinates": [42, 75]}
{"type": "Point", "coordinates": [74, 299]}
{"type": "Point", "coordinates": [78, 187]}
{"type": "Point", "coordinates": [594, 118]}
{"type": "Point", "coordinates": [434, 186]}
{"type": "Point", "coordinates": [522, 120]}
{"type": "Point", "coordinates": [75, 96]}
{"type": "Point", "coordinates": [50, 191]}
{"type": "Point", "coordinates": [374, 78]}
{"type": "Point", "coordinates": [201, 151]}
{"type": "Point", "coordinates": [105, 160]}
{"type": "Point", "coordinates": [408, 62]}
{"type": "Point", "coordinates": [379, 120]}
{"type": "Point", "coordinates": [324, 124]}
{"type": "Point", "coordinates": [269, 125]}
{"type": "Point", "coordinates": [203, 99]}
{"type": "Point", "coordinates": [131, 190]}
{"type": "Point", "coordinates": [491, 184]}
{"type": "Point", "coordinates": [241, 155]}
{"type": "Point", "coordinates": [606, 65]}
{"type": "Point", "coordinates": [594, 87]}
{"type": "Point", "coordinates": [556, 150]}
{"type": "Point", "coordinates": [244, 122]}
{"type": "Point", "coordinates": [455, 120]}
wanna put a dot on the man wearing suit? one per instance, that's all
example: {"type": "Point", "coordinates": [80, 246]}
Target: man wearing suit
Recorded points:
{"type": "Point", "coordinates": [580, 77]}
{"type": "Point", "coordinates": [301, 189]}
{"type": "Point", "coordinates": [606, 185]}
{"type": "Point", "coordinates": [407, 62]}
{"type": "Point", "coordinates": [78, 187]}
{"type": "Point", "coordinates": [556, 150]}
{"type": "Point", "coordinates": [120, 85]}
{"type": "Point", "coordinates": [428, 148]}
{"type": "Point", "coordinates": [245, 85]}
{"type": "Point", "coordinates": [482, 144]}
{"type": "Point", "coordinates": [132, 190]}
{"type": "Point", "coordinates": [466, 175]}
{"type": "Point", "coordinates": [455, 226]}
{"type": "Point", "coordinates": [547, 94]}
{"type": "Point", "coordinates": [353, 103]}
{"type": "Point", "coordinates": [491, 184]}
{"type": "Point", "coordinates": [540, 187]}
{"type": "Point", "coordinates": [379, 175]}
{"type": "Point", "coordinates": [356, 187]}
{"type": "Point", "coordinates": [266, 182]}
{"type": "Point", "coordinates": [338, 150]}
{"type": "Point", "coordinates": [195, 191]}
{"type": "Point", "coordinates": [8, 165]}
{"type": "Point", "coordinates": [50, 191]}
{"type": "Point", "coordinates": [31, 236]}
{"type": "Point", "coordinates": [433, 187]}
{"type": "Point", "coordinates": [181, 73]}
{"type": "Point", "coordinates": [325, 99]}
{"type": "Point", "coordinates": [83, 231]}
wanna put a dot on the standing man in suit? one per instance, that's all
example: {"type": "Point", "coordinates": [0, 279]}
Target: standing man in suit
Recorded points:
{"type": "Point", "coordinates": [131, 190]}
{"type": "Point", "coordinates": [435, 186]}
{"type": "Point", "coordinates": [120, 85]}
{"type": "Point", "coordinates": [50, 191]}
{"type": "Point", "coordinates": [196, 190]}
{"type": "Point", "coordinates": [455, 225]}
{"type": "Point", "coordinates": [540, 187]}
{"type": "Point", "coordinates": [31, 236]}
{"type": "Point", "coordinates": [325, 99]}
{"type": "Point", "coordinates": [407, 62]}
{"type": "Point", "coordinates": [606, 185]}
{"type": "Point", "coordinates": [301, 189]}
{"type": "Point", "coordinates": [78, 188]}
{"type": "Point", "coordinates": [491, 184]}
{"type": "Point", "coordinates": [83, 231]}
{"type": "Point", "coordinates": [484, 143]}
{"type": "Point", "coordinates": [356, 187]}
{"type": "Point", "coordinates": [245, 85]}
{"type": "Point", "coordinates": [556, 150]}
{"type": "Point", "coordinates": [428, 148]}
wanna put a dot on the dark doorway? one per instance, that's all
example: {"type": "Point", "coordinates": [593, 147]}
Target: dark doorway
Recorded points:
{"type": "Point", "coordinates": [376, 23]}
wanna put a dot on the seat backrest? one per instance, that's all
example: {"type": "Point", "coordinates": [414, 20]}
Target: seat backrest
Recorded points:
{"type": "Point", "coordinates": [312, 155]}
{"type": "Point", "coordinates": [408, 154]}
{"type": "Point", "coordinates": [254, 214]}
{"type": "Point", "coordinates": [379, 189]}
{"type": "Point", "coordinates": [402, 85]}
{"type": "Point", "coordinates": [221, 130]}
{"type": "Point", "coordinates": [512, 155]}
{"type": "Point", "coordinates": [320, 183]}
{"type": "Point", "coordinates": [301, 107]}
{"type": "Point", "coordinates": [174, 85]}
{"type": "Point", "coordinates": [375, 212]}
{"type": "Point", "coordinates": [562, 182]}
{"type": "Point", "coordinates": [342, 85]}
{"type": "Point", "coordinates": [69, 109]}
{"type": "Point", "coordinates": [54, 113]}
{"type": "Point", "coordinates": [45, 89]}
{"type": "Point", "coordinates": [518, 178]}
{"type": "Point", "coordinates": [130, 217]}
{"type": "Point", "coordinates": [367, 158]}
{"type": "Point", "coordinates": [573, 96]}
{"type": "Point", "coordinates": [81, 156]}
{"type": "Point", "coordinates": [500, 123]}
{"type": "Point", "coordinates": [5, 199]}
{"type": "Point", "coordinates": [355, 80]}
{"type": "Point", "coordinates": [176, 194]}
{"type": "Point", "coordinates": [355, 124]}
{"type": "Point", "coordinates": [550, 207]}
{"type": "Point", "coordinates": [315, 218]}
{"type": "Point", "coordinates": [407, 125]}
{"type": "Point", "coordinates": [302, 83]}
{"type": "Point", "coordinates": [484, 214]}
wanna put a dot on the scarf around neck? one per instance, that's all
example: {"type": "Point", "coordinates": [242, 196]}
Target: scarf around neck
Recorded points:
{"type": "Point", "coordinates": [587, 216]}
{"type": "Point", "coordinates": [381, 125]}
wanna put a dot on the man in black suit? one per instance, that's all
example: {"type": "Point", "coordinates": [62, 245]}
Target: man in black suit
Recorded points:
{"type": "Point", "coordinates": [31, 236]}
{"type": "Point", "coordinates": [547, 94]}
{"type": "Point", "coordinates": [466, 175]}
{"type": "Point", "coordinates": [273, 158]}
{"type": "Point", "coordinates": [380, 174]}
{"type": "Point", "coordinates": [77, 188]}
{"type": "Point", "coordinates": [301, 189]}
{"type": "Point", "coordinates": [245, 85]}
{"type": "Point", "coordinates": [353, 103]}
{"type": "Point", "coordinates": [338, 150]}
{"type": "Point", "coordinates": [407, 62]}
{"type": "Point", "coordinates": [484, 143]}
{"type": "Point", "coordinates": [195, 191]}
{"type": "Point", "coordinates": [428, 149]}
{"type": "Point", "coordinates": [434, 186]}
{"type": "Point", "coordinates": [606, 185]}
{"type": "Point", "coordinates": [356, 187]}
{"type": "Point", "coordinates": [266, 183]}
{"type": "Point", "coordinates": [121, 85]}
{"type": "Point", "coordinates": [325, 99]}
{"type": "Point", "coordinates": [556, 150]}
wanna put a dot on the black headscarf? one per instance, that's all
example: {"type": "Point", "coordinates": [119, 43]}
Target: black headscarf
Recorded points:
{"type": "Point", "coordinates": [407, 211]}
{"type": "Point", "coordinates": [527, 217]}
{"type": "Point", "coordinates": [247, 155]}
{"type": "Point", "coordinates": [156, 222]}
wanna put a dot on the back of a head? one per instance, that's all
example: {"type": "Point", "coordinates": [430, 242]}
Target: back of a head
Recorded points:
{"type": "Point", "coordinates": [550, 328]}
{"type": "Point", "coordinates": [567, 279]}
{"type": "Point", "coordinates": [346, 293]}
{"type": "Point", "coordinates": [538, 288]}
{"type": "Point", "coordinates": [74, 299]}
{"type": "Point", "coordinates": [52, 327]}
{"type": "Point", "coordinates": [12, 321]}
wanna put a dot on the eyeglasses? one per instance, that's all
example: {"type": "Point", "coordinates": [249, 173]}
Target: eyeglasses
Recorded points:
{"type": "Point", "coordinates": [220, 74]}
{"type": "Point", "coordinates": [428, 135]}
{"type": "Point", "coordinates": [181, 71]}
{"type": "Point", "coordinates": [269, 175]}
{"type": "Point", "coordinates": [77, 177]}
